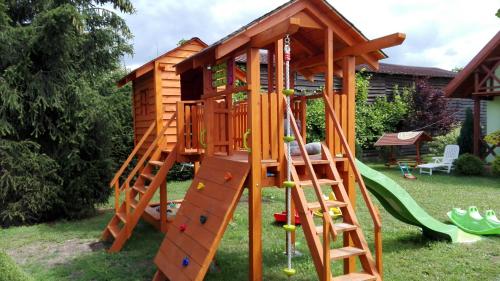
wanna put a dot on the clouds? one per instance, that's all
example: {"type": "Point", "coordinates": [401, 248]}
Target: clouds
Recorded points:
{"type": "Point", "coordinates": [445, 33]}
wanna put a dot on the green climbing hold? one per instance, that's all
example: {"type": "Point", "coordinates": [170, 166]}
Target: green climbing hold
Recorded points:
{"type": "Point", "coordinates": [288, 184]}
{"type": "Point", "coordinates": [288, 138]}
{"type": "Point", "coordinates": [289, 227]}
{"type": "Point", "coordinates": [289, 272]}
{"type": "Point", "coordinates": [288, 92]}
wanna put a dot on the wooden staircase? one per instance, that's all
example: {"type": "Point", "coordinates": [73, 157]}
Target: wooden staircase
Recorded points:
{"type": "Point", "coordinates": [147, 176]}
{"type": "Point", "coordinates": [316, 174]}
{"type": "Point", "coordinates": [189, 247]}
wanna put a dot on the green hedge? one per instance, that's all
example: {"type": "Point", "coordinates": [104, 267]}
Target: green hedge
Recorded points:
{"type": "Point", "coordinates": [10, 271]}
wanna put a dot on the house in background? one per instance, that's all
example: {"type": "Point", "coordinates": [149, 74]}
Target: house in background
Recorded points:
{"type": "Point", "coordinates": [480, 81]}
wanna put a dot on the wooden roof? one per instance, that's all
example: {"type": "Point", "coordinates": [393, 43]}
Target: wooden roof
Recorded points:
{"type": "Point", "coordinates": [402, 138]}
{"type": "Point", "coordinates": [463, 84]}
{"type": "Point", "coordinates": [145, 68]}
{"type": "Point", "coordinates": [305, 20]}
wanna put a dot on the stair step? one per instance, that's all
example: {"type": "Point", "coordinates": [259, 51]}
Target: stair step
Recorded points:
{"type": "Point", "coordinates": [314, 162]}
{"type": "Point", "coordinates": [329, 203]}
{"type": "Point", "coordinates": [345, 252]}
{"type": "Point", "coordinates": [148, 176]}
{"type": "Point", "coordinates": [156, 163]}
{"type": "Point", "coordinates": [133, 203]}
{"type": "Point", "coordinates": [339, 227]}
{"type": "Point", "coordinates": [141, 189]}
{"type": "Point", "coordinates": [320, 181]}
{"type": "Point", "coordinates": [356, 276]}
{"type": "Point", "coordinates": [114, 229]}
{"type": "Point", "coordinates": [122, 216]}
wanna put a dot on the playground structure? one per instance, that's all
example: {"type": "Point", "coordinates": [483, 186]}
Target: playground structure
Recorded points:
{"type": "Point", "coordinates": [403, 139]}
{"type": "Point", "coordinates": [184, 111]}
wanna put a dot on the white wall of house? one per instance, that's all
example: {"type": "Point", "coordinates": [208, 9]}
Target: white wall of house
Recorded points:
{"type": "Point", "coordinates": [493, 116]}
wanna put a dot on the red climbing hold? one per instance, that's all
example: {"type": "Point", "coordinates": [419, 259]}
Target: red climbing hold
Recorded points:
{"type": "Point", "coordinates": [228, 176]}
{"type": "Point", "coordinates": [182, 227]}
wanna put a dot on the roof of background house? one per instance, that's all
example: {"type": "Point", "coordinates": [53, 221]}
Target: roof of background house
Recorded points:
{"type": "Point", "coordinates": [463, 84]}
{"type": "Point", "coordinates": [385, 68]}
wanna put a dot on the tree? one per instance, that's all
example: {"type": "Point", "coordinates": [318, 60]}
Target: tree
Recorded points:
{"type": "Point", "coordinates": [465, 139]}
{"type": "Point", "coordinates": [56, 59]}
{"type": "Point", "coordinates": [428, 110]}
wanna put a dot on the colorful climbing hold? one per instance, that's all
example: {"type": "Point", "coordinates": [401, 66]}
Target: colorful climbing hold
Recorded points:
{"type": "Point", "coordinates": [228, 176]}
{"type": "Point", "coordinates": [288, 184]}
{"type": "Point", "coordinates": [185, 261]}
{"type": "Point", "coordinates": [200, 186]}
{"type": "Point", "coordinates": [289, 272]}
{"type": "Point", "coordinates": [203, 219]}
{"type": "Point", "coordinates": [289, 227]}
{"type": "Point", "coordinates": [182, 227]}
{"type": "Point", "coordinates": [288, 92]}
{"type": "Point", "coordinates": [288, 138]}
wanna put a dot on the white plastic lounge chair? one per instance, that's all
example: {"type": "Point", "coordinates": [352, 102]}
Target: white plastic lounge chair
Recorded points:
{"type": "Point", "coordinates": [444, 163]}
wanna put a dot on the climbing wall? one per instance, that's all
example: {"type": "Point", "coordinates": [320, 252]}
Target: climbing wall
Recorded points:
{"type": "Point", "coordinates": [190, 245]}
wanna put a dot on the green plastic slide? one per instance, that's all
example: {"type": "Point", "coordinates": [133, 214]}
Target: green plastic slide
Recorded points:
{"type": "Point", "coordinates": [471, 221]}
{"type": "Point", "coordinates": [402, 206]}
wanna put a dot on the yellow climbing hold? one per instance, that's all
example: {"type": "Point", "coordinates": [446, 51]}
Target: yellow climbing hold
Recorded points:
{"type": "Point", "coordinates": [289, 272]}
{"type": "Point", "coordinates": [288, 184]}
{"type": "Point", "coordinates": [289, 227]}
{"type": "Point", "coordinates": [288, 138]}
{"type": "Point", "coordinates": [288, 92]}
{"type": "Point", "coordinates": [200, 186]}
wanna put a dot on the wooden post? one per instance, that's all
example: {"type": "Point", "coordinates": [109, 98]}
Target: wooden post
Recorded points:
{"type": "Point", "coordinates": [328, 49]}
{"type": "Point", "coordinates": [163, 206]}
{"type": "Point", "coordinates": [477, 116]}
{"type": "Point", "coordinates": [348, 89]}
{"type": "Point", "coordinates": [255, 193]}
{"type": "Point", "coordinates": [418, 152]}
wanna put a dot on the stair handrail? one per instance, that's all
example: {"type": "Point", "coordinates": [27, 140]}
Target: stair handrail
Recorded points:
{"type": "Point", "coordinates": [141, 162]}
{"type": "Point", "coordinates": [364, 192]}
{"type": "Point", "coordinates": [131, 156]}
{"type": "Point", "coordinates": [312, 173]}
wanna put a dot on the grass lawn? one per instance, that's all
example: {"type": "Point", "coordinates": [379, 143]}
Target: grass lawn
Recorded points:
{"type": "Point", "coordinates": [68, 250]}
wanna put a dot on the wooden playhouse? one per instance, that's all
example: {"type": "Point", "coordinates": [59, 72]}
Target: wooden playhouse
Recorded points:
{"type": "Point", "coordinates": [241, 143]}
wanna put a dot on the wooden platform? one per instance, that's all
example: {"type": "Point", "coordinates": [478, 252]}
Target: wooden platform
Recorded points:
{"type": "Point", "coordinates": [190, 245]}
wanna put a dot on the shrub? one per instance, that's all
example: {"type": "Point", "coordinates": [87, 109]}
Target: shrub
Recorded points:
{"type": "Point", "coordinates": [493, 138]}
{"type": "Point", "coordinates": [437, 145]}
{"type": "Point", "coordinates": [10, 270]}
{"type": "Point", "coordinates": [469, 165]}
{"type": "Point", "coordinates": [29, 184]}
{"type": "Point", "coordinates": [495, 166]}
{"type": "Point", "coordinates": [465, 139]}
{"type": "Point", "coordinates": [180, 172]}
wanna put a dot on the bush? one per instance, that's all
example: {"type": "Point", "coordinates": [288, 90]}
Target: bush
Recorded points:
{"type": "Point", "coordinates": [180, 172]}
{"type": "Point", "coordinates": [465, 139]}
{"type": "Point", "coordinates": [469, 165]}
{"type": "Point", "coordinates": [495, 166]}
{"type": "Point", "coordinates": [437, 145]}
{"type": "Point", "coordinates": [29, 184]}
{"type": "Point", "coordinates": [493, 138]}
{"type": "Point", "coordinates": [10, 270]}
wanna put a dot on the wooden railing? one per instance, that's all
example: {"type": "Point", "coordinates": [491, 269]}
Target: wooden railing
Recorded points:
{"type": "Point", "coordinates": [270, 138]}
{"type": "Point", "coordinates": [371, 208]}
{"type": "Point", "coordinates": [153, 150]}
{"type": "Point", "coordinates": [115, 182]}
{"type": "Point", "coordinates": [190, 136]}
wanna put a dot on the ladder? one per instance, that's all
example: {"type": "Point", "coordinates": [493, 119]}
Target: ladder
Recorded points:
{"type": "Point", "coordinates": [314, 173]}
{"type": "Point", "coordinates": [147, 176]}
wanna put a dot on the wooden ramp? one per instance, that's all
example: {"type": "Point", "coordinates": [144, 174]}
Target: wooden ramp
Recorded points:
{"type": "Point", "coordinates": [190, 246]}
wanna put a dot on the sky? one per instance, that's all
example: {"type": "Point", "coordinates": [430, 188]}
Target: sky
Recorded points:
{"type": "Point", "coordinates": [439, 33]}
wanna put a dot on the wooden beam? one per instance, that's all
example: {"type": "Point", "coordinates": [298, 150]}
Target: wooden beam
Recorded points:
{"type": "Point", "coordinates": [254, 158]}
{"type": "Point", "coordinates": [289, 26]}
{"type": "Point", "coordinates": [307, 21]}
{"type": "Point", "coordinates": [305, 43]}
{"type": "Point", "coordinates": [372, 45]}
{"type": "Point", "coordinates": [328, 61]}
{"type": "Point", "coordinates": [227, 47]}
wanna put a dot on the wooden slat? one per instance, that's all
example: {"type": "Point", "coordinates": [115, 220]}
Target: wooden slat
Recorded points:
{"type": "Point", "coordinates": [329, 203]}
{"type": "Point", "coordinates": [345, 252]}
{"type": "Point", "coordinates": [355, 276]}
{"type": "Point", "coordinates": [339, 227]}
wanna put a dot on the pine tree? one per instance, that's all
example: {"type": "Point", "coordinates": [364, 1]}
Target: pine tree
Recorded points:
{"type": "Point", "coordinates": [465, 139]}
{"type": "Point", "coordinates": [55, 57]}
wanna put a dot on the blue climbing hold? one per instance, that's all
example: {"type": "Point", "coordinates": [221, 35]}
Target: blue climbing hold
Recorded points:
{"type": "Point", "coordinates": [185, 261]}
{"type": "Point", "coordinates": [203, 219]}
